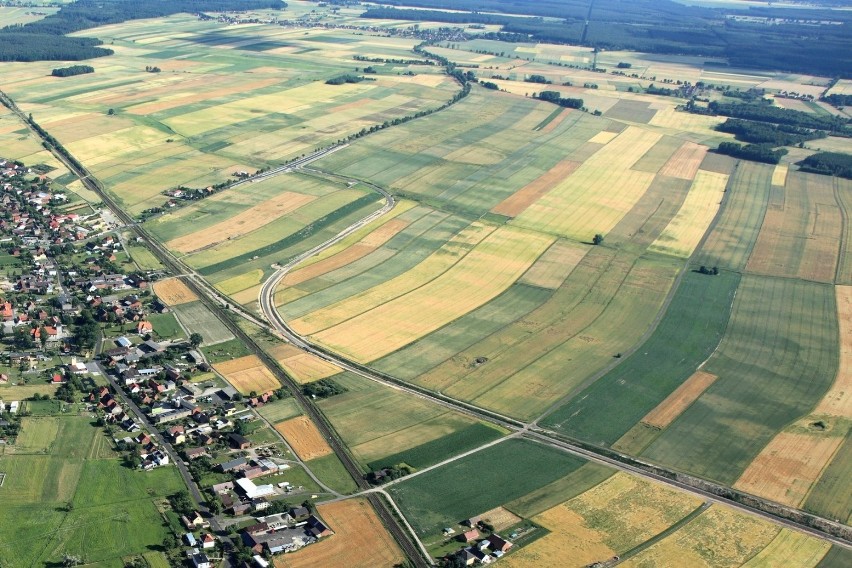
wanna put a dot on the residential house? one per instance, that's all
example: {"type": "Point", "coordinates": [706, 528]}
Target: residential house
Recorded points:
{"type": "Point", "coordinates": [496, 542]}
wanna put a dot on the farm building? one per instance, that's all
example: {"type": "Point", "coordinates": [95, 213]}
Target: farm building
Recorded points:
{"type": "Point", "coordinates": [253, 491]}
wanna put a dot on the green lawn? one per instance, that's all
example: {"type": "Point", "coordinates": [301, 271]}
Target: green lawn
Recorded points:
{"type": "Point", "coordinates": [479, 482]}
{"type": "Point", "coordinates": [166, 326]}
{"type": "Point", "coordinates": [330, 471]}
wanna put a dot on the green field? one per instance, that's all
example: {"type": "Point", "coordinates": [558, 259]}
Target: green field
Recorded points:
{"type": "Point", "coordinates": [767, 378]}
{"type": "Point", "coordinates": [479, 482]}
{"type": "Point", "coordinates": [383, 426]}
{"type": "Point", "coordinates": [688, 333]}
{"type": "Point", "coordinates": [330, 471]}
{"type": "Point", "coordinates": [280, 410]}
{"type": "Point", "coordinates": [829, 496]}
{"type": "Point", "coordinates": [166, 326]}
{"type": "Point", "coordinates": [71, 494]}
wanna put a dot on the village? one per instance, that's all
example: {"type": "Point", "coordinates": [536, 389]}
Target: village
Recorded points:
{"type": "Point", "coordinates": [71, 320]}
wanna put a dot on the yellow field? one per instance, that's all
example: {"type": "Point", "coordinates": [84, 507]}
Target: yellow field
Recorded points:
{"type": "Point", "coordinates": [598, 194]}
{"type": "Point", "coordinates": [607, 520]}
{"type": "Point", "coordinates": [719, 538]}
{"type": "Point", "coordinates": [304, 367]}
{"type": "Point", "coordinates": [248, 374]}
{"type": "Point", "coordinates": [685, 162]}
{"type": "Point", "coordinates": [554, 266]}
{"type": "Point", "coordinates": [779, 176]}
{"type": "Point", "coordinates": [484, 273]}
{"type": "Point", "coordinates": [304, 438]}
{"type": "Point", "coordinates": [518, 202]}
{"type": "Point", "coordinates": [789, 465]}
{"type": "Point", "coordinates": [249, 220]}
{"type": "Point", "coordinates": [359, 537]}
{"type": "Point", "coordinates": [603, 137]}
{"type": "Point", "coordinates": [685, 230]}
{"type": "Point", "coordinates": [173, 292]}
{"type": "Point", "coordinates": [838, 400]}
{"type": "Point", "coordinates": [242, 282]}
{"type": "Point", "coordinates": [679, 400]}
{"type": "Point", "coordinates": [790, 548]}
{"type": "Point", "coordinates": [433, 266]}
{"type": "Point", "coordinates": [679, 122]}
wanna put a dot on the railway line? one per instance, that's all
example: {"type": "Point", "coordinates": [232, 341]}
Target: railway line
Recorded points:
{"type": "Point", "coordinates": [415, 554]}
{"type": "Point", "coordinates": [411, 546]}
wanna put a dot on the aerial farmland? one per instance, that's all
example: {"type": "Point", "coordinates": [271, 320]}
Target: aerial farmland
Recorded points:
{"type": "Point", "coordinates": [331, 284]}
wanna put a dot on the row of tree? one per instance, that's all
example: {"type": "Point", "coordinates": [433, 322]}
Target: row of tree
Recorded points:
{"type": "Point", "coordinates": [73, 70]}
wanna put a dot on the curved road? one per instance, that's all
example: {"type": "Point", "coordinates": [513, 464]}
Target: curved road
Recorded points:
{"type": "Point", "coordinates": [530, 430]}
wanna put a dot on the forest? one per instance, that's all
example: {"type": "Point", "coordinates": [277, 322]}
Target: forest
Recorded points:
{"type": "Point", "coordinates": [657, 26]}
{"type": "Point", "coordinates": [763, 133]}
{"type": "Point", "coordinates": [828, 163]}
{"type": "Point", "coordinates": [46, 39]}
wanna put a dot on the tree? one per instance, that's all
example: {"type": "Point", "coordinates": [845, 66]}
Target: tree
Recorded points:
{"type": "Point", "coordinates": [196, 339]}
{"type": "Point", "coordinates": [111, 112]}
{"type": "Point", "coordinates": [598, 239]}
{"type": "Point", "coordinates": [71, 560]}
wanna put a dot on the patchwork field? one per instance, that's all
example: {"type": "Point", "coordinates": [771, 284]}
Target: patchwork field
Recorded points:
{"type": "Point", "coordinates": [763, 385]}
{"type": "Point", "coordinates": [248, 374]}
{"type": "Point", "coordinates": [603, 522]}
{"type": "Point", "coordinates": [718, 537]}
{"type": "Point", "coordinates": [226, 100]}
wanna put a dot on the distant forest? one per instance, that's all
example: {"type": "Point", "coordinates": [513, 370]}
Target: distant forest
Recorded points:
{"type": "Point", "coordinates": [659, 26]}
{"type": "Point", "coordinates": [46, 40]}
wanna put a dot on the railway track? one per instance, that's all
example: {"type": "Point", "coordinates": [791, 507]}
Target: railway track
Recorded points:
{"type": "Point", "coordinates": [174, 266]}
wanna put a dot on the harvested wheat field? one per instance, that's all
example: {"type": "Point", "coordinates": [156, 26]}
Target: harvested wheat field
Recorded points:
{"type": "Point", "coordinates": [679, 400]}
{"type": "Point", "coordinates": [718, 538]}
{"type": "Point", "coordinates": [517, 203]}
{"type": "Point", "coordinates": [779, 176]}
{"type": "Point", "coordinates": [174, 292]}
{"type": "Point", "coordinates": [304, 438]}
{"type": "Point", "coordinates": [245, 222]}
{"type": "Point", "coordinates": [788, 466]}
{"type": "Point", "coordinates": [248, 374]}
{"type": "Point", "coordinates": [500, 518]}
{"type": "Point", "coordinates": [790, 548]}
{"type": "Point", "coordinates": [685, 162]}
{"type": "Point", "coordinates": [304, 367]}
{"type": "Point", "coordinates": [359, 538]}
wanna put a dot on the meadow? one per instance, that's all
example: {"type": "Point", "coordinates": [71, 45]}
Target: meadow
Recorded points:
{"type": "Point", "coordinates": [67, 491]}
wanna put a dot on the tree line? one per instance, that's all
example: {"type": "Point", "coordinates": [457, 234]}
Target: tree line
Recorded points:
{"type": "Point", "coordinates": [73, 70]}
{"type": "Point", "coordinates": [765, 133]}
